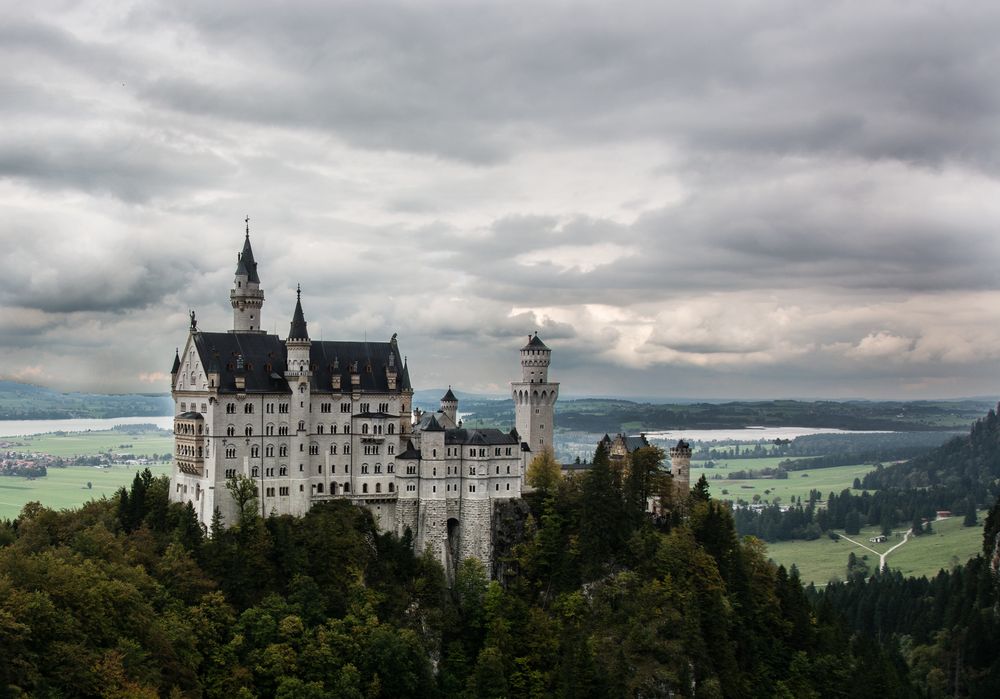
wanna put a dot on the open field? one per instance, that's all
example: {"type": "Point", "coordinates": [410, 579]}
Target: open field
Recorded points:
{"type": "Point", "coordinates": [91, 443]}
{"type": "Point", "coordinates": [824, 559]}
{"type": "Point", "coordinates": [67, 487]}
{"type": "Point", "coordinates": [798, 483]}
{"type": "Point", "coordinates": [725, 464]}
{"type": "Point", "coordinates": [949, 545]}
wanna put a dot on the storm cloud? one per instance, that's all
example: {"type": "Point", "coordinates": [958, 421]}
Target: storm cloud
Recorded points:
{"type": "Point", "coordinates": [715, 199]}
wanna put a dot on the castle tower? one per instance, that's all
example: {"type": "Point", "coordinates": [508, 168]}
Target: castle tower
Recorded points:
{"type": "Point", "coordinates": [535, 396]}
{"type": "Point", "coordinates": [298, 373]}
{"type": "Point", "coordinates": [680, 468]}
{"type": "Point", "coordinates": [449, 406]}
{"type": "Point", "coordinates": [246, 296]}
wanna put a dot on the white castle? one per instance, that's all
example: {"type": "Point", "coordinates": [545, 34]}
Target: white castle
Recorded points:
{"type": "Point", "coordinates": [311, 421]}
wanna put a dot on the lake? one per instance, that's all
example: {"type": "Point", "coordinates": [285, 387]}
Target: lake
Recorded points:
{"type": "Point", "coordinates": [21, 428]}
{"type": "Point", "coordinates": [750, 434]}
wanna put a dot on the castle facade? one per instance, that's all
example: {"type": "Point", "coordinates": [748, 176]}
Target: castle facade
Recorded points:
{"type": "Point", "coordinates": [310, 421]}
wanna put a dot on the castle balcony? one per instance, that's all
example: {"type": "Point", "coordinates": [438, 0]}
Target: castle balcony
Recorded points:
{"type": "Point", "coordinates": [192, 467]}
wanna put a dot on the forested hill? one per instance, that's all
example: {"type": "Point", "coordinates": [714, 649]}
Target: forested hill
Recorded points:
{"type": "Point", "coordinates": [19, 401]}
{"type": "Point", "coordinates": [617, 415]}
{"type": "Point", "coordinates": [127, 598]}
{"type": "Point", "coordinates": [969, 464]}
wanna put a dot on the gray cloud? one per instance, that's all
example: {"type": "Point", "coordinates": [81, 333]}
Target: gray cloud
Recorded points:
{"type": "Point", "coordinates": [718, 200]}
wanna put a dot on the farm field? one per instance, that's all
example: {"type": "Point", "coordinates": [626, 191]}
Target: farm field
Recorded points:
{"type": "Point", "coordinates": [798, 483]}
{"type": "Point", "coordinates": [67, 487]}
{"type": "Point", "coordinates": [98, 442]}
{"type": "Point", "coordinates": [823, 559]}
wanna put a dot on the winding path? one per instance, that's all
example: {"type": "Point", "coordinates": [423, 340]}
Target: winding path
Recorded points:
{"type": "Point", "coordinates": [881, 556]}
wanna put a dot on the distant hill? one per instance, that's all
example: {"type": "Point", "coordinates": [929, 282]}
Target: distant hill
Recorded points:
{"type": "Point", "coordinates": [970, 463]}
{"type": "Point", "coordinates": [622, 415]}
{"type": "Point", "coordinates": [20, 401]}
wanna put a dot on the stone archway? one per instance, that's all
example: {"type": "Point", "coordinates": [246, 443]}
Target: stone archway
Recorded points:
{"type": "Point", "coordinates": [451, 548]}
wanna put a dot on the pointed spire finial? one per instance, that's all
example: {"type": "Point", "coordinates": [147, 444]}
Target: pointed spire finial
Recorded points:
{"type": "Point", "coordinates": [247, 221]}
{"type": "Point", "coordinates": [298, 292]}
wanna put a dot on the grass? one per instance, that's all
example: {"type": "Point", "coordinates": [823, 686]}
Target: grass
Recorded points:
{"type": "Point", "coordinates": [823, 559]}
{"type": "Point", "coordinates": [798, 483]}
{"type": "Point", "coordinates": [98, 442]}
{"type": "Point", "coordinates": [67, 487]}
{"type": "Point", "coordinates": [949, 545]}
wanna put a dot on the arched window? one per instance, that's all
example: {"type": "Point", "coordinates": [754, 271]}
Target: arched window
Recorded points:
{"type": "Point", "coordinates": [392, 428]}
{"type": "Point", "coordinates": [269, 450]}
{"type": "Point", "coordinates": [378, 487]}
{"type": "Point", "coordinates": [378, 468]}
{"type": "Point", "coordinates": [347, 448]}
{"type": "Point", "coordinates": [392, 488]}
{"type": "Point", "coordinates": [364, 469]}
{"type": "Point", "coordinates": [302, 425]}
{"type": "Point", "coordinates": [333, 429]}
{"type": "Point", "coordinates": [364, 487]}
{"type": "Point", "coordinates": [319, 487]}
{"type": "Point", "coordinates": [248, 408]}
{"type": "Point", "coordinates": [248, 431]}
{"type": "Point", "coordinates": [347, 487]}
{"type": "Point", "coordinates": [333, 448]}
{"type": "Point", "coordinates": [283, 450]}
{"type": "Point", "coordinates": [391, 468]}
{"type": "Point", "coordinates": [364, 428]}
{"type": "Point", "coordinates": [254, 451]}
{"type": "Point", "coordinates": [231, 431]}
{"type": "Point", "coordinates": [319, 429]}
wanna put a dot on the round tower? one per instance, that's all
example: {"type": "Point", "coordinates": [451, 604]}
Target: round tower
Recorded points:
{"type": "Point", "coordinates": [680, 467]}
{"type": "Point", "coordinates": [246, 296]}
{"type": "Point", "coordinates": [298, 373]}
{"type": "Point", "coordinates": [535, 396]}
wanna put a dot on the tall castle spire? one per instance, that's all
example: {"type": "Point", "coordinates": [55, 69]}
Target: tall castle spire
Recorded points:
{"type": "Point", "coordinates": [246, 296]}
{"type": "Point", "coordinates": [298, 330]}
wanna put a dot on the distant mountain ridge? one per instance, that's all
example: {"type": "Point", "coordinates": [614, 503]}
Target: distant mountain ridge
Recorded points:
{"type": "Point", "coordinates": [20, 401]}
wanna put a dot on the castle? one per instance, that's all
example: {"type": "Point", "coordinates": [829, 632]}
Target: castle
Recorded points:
{"type": "Point", "coordinates": [311, 421]}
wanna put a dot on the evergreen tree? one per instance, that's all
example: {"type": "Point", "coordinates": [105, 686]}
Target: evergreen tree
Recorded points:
{"type": "Point", "coordinates": [602, 514]}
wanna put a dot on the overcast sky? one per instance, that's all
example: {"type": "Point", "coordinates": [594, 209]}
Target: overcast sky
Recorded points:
{"type": "Point", "coordinates": [742, 199]}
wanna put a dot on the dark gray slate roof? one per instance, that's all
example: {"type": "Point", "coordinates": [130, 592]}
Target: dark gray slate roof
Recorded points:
{"type": "Point", "coordinates": [376, 416]}
{"type": "Point", "coordinates": [633, 443]}
{"type": "Point", "coordinates": [449, 397]}
{"type": "Point", "coordinates": [245, 264]}
{"type": "Point", "coordinates": [297, 330]}
{"type": "Point", "coordinates": [264, 359]}
{"type": "Point", "coordinates": [535, 343]}
{"type": "Point", "coordinates": [404, 379]}
{"type": "Point", "coordinates": [409, 452]}
{"type": "Point", "coordinates": [432, 425]}
{"type": "Point", "coordinates": [481, 437]}
{"type": "Point", "coordinates": [177, 363]}
{"type": "Point", "coordinates": [190, 416]}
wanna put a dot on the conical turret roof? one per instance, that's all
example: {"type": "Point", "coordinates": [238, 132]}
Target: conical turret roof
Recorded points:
{"type": "Point", "coordinates": [246, 264]}
{"type": "Point", "coordinates": [404, 379]}
{"type": "Point", "coordinates": [177, 362]}
{"type": "Point", "coordinates": [449, 397]}
{"type": "Point", "coordinates": [297, 330]}
{"type": "Point", "coordinates": [535, 343]}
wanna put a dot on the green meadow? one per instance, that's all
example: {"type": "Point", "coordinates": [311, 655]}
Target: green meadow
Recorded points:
{"type": "Point", "coordinates": [798, 483]}
{"type": "Point", "coordinates": [67, 487]}
{"type": "Point", "coordinates": [824, 559]}
{"type": "Point", "coordinates": [99, 442]}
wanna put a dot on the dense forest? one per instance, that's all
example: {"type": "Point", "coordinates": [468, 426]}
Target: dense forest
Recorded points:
{"type": "Point", "coordinates": [129, 597]}
{"type": "Point", "coordinates": [948, 627]}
